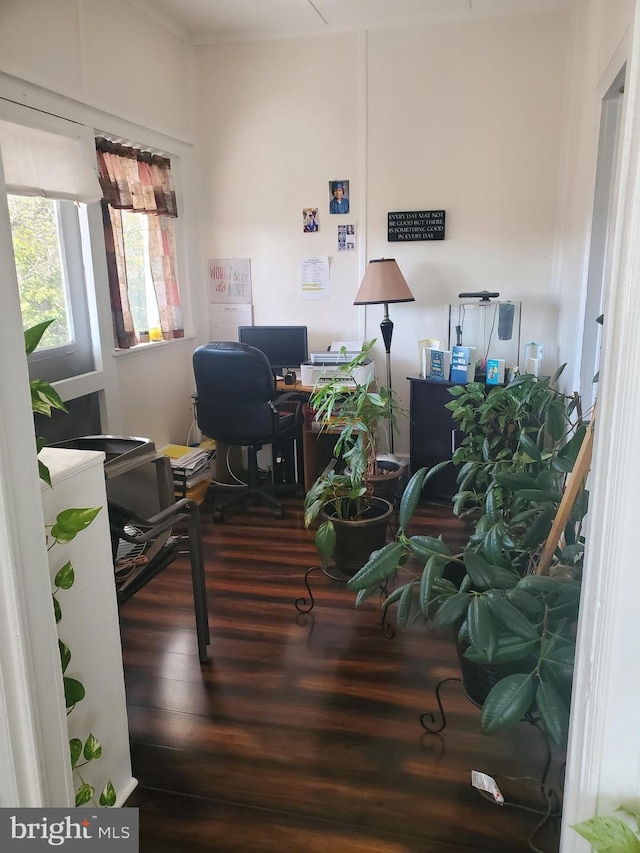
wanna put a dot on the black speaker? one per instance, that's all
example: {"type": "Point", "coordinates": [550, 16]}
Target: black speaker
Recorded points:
{"type": "Point", "coordinates": [505, 321]}
{"type": "Point", "coordinates": [289, 378]}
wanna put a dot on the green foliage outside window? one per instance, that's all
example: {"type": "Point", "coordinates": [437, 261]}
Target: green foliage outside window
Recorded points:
{"type": "Point", "coordinates": [38, 262]}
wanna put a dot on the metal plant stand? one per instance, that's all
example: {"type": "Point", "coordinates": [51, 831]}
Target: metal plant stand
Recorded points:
{"type": "Point", "coordinates": [306, 605]}
{"type": "Point", "coordinates": [434, 724]}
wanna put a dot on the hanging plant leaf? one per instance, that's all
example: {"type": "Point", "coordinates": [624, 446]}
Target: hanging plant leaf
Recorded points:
{"type": "Point", "coordinates": [70, 522]}
{"type": "Point", "coordinates": [73, 691]}
{"type": "Point", "coordinates": [44, 398]}
{"type": "Point", "coordinates": [33, 336]}
{"type": "Point", "coordinates": [507, 702]}
{"type": "Point", "coordinates": [108, 795]}
{"type": "Point", "coordinates": [65, 577]}
{"type": "Point", "coordinates": [606, 834]}
{"type": "Point", "coordinates": [84, 794]}
{"type": "Point", "coordinates": [65, 655]}
{"type": "Point", "coordinates": [43, 473]}
{"type": "Point", "coordinates": [75, 748]}
{"type": "Point", "coordinates": [553, 711]}
{"type": "Point", "coordinates": [92, 748]}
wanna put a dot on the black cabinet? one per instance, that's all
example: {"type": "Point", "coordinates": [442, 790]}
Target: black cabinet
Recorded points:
{"type": "Point", "coordinates": [433, 434]}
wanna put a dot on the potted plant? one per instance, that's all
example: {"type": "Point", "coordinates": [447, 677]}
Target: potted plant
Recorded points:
{"type": "Point", "coordinates": [521, 441]}
{"type": "Point", "coordinates": [354, 511]}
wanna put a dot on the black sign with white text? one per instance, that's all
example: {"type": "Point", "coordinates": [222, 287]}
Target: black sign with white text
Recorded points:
{"type": "Point", "coordinates": [415, 225]}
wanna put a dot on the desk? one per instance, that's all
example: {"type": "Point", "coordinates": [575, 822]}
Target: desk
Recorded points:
{"type": "Point", "coordinates": [317, 447]}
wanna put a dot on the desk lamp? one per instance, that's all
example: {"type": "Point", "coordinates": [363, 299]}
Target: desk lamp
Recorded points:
{"type": "Point", "coordinates": [384, 283]}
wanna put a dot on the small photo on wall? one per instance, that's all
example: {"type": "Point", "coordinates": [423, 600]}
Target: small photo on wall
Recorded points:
{"type": "Point", "coordinates": [346, 238]}
{"type": "Point", "coordinates": [310, 222]}
{"type": "Point", "coordinates": [339, 197]}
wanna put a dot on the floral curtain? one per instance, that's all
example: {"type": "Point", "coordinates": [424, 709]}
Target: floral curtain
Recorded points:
{"type": "Point", "coordinates": [141, 182]}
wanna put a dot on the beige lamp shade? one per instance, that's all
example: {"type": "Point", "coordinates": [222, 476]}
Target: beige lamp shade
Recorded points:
{"type": "Point", "coordinates": [383, 282]}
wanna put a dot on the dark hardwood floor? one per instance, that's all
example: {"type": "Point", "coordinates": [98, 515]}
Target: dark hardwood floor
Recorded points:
{"type": "Point", "coordinates": [302, 733]}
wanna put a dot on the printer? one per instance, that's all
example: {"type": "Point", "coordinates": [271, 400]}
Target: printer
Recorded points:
{"type": "Point", "coordinates": [325, 367]}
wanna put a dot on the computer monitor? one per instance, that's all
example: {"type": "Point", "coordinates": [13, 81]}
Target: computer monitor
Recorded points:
{"type": "Point", "coordinates": [285, 346]}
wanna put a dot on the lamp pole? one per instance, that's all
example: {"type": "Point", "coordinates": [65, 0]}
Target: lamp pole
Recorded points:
{"type": "Point", "coordinates": [384, 283]}
{"type": "Point", "coordinates": [386, 327]}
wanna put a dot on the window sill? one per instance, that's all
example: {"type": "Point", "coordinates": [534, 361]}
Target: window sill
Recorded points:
{"type": "Point", "coordinates": [150, 346]}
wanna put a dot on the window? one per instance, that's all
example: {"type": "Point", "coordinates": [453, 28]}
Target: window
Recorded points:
{"type": "Point", "coordinates": [48, 259]}
{"type": "Point", "coordinates": [142, 296]}
{"type": "Point", "coordinates": [41, 274]}
{"type": "Point", "coordinates": [138, 209]}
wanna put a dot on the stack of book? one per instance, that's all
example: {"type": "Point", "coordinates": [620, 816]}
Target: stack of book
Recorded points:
{"type": "Point", "coordinates": [191, 466]}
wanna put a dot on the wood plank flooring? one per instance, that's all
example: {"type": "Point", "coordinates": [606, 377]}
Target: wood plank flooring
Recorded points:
{"type": "Point", "coordinates": [302, 733]}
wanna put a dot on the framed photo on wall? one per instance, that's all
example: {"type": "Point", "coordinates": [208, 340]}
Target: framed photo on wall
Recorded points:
{"type": "Point", "coordinates": [338, 196]}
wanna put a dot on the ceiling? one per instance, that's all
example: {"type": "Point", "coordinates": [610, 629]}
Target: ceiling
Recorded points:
{"type": "Point", "coordinates": [213, 21]}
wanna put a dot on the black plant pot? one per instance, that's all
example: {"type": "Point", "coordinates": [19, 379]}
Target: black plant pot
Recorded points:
{"type": "Point", "coordinates": [355, 540]}
{"type": "Point", "coordinates": [479, 678]}
{"type": "Point", "coordinates": [386, 484]}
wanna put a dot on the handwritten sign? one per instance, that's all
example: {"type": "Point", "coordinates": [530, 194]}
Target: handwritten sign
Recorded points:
{"type": "Point", "coordinates": [229, 280]}
{"type": "Point", "coordinates": [408, 225]}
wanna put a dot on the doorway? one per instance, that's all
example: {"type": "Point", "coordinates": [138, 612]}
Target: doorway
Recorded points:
{"type": "Point", "coordinates": [602, 229]}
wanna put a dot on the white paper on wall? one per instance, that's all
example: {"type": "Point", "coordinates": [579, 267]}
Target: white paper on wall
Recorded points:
{"type": "Point", "coordinates": [229, 280]}
{"type": "Point", "coordinates": [225, 319]}
{"type": "Point", "coordinates": [314, 278]}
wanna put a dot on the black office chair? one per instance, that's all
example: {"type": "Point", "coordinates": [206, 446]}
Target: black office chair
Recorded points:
{"type": "Point", "coordinates": [237, 405]}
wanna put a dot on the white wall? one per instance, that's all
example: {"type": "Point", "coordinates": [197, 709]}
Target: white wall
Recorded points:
{"type": "Point", "coordinates": [465, 117]}
{"type": "Point", "coordinates": [115, 70]}
{"type": "Point", "coordinates": [599, 48]}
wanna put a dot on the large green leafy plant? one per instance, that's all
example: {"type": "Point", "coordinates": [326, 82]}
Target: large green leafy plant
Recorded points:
{"type": "Point", "coordinates": [520, 442]}
{"type": "Point", "coordinates": [353, 410]}
{"type": "Point", "coordinates": [68, 524]}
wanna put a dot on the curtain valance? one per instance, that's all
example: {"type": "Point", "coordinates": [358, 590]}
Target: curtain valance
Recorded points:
{"type": "Point", "coordinates": [135, 180]}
